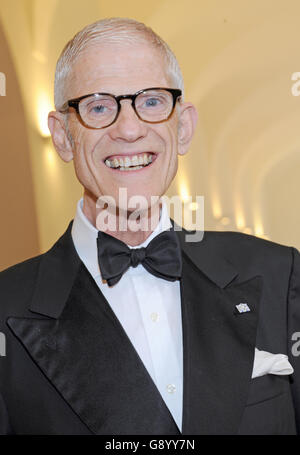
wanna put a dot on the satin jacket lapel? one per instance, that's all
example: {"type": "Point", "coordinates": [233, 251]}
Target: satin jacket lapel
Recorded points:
{"type": "Point", "coordinates": [218, 342]}
{"type": "Point", "coordinates": [83, 350]}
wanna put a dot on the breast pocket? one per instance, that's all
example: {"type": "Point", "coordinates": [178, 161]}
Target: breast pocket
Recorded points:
{"type": "Point", "coordinates": [269, 408]}
{"type": "Point", "coordinates": [267, 387]}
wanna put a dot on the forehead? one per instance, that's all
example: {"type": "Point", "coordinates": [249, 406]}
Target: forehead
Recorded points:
{"type": "Point", "coordinates": [117, 69]}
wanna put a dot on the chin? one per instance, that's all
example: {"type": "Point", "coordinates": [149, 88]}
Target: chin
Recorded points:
{"type": "Point", "coordinates": [137, 202]}
{"type": "Point", "coordinates": [132, 197]}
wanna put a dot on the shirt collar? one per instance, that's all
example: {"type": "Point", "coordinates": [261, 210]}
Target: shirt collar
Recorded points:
{"type": "Point", "coordinates": [84, 236]}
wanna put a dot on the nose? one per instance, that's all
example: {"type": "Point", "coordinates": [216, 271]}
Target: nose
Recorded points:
{"type": "Point", "coordinates": [128, 127]}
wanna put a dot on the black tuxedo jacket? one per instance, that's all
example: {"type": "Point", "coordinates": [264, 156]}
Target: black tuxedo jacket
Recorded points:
{"type": "Point", "coordinates": [71, 369]}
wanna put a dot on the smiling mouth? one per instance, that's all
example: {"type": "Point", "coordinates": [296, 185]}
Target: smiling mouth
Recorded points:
{"type": "Point", "coordinates": [130, 162]}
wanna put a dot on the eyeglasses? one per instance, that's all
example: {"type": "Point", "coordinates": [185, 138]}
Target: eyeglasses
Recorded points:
{"type": "Point", "coordinates": [100, 110]}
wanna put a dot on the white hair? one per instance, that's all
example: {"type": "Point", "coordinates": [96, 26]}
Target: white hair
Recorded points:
{"type": "Point", "coordinates": [111, 30]}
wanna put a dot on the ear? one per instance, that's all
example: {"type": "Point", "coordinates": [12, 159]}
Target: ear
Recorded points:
{"type": "Point", "coordinates": [60, 137]}
{"type": "Point", "coordinates": [187, 125]}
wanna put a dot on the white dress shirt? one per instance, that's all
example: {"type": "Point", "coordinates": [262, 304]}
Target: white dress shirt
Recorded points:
{"type": "Point", "coordinates": [149, 309]}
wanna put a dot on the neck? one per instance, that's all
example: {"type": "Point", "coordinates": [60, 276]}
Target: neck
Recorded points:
{"type": "Point", "coordinates": [121, 225]}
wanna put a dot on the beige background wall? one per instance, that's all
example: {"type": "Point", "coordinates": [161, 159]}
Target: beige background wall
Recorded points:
{"type": "Point", "coordinates": [18, 227]}
{"type": "Point", "coordinates": [237, 57]}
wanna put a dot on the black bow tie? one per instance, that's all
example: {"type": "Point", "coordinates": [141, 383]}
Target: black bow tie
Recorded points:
{"type": "Point", "coordinates": [161, 257]}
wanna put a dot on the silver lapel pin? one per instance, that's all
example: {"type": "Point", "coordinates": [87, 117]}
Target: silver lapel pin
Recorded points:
{"type": "Point", "coordinates": [242, 307]}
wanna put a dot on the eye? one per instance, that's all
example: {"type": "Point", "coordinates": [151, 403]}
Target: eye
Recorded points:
{"type": "Point", "coordinates": [152, 102]}
{"type": "Point", "coordinates": [98, 109]}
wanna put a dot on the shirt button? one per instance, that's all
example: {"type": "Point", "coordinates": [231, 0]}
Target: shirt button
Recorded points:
{"type": "Point", "coordinates": [154, 317]}
{"type": "Point", "coordinates": [171, 388]}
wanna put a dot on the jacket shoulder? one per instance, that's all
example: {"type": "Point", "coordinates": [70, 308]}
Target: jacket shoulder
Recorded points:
{"type": "Point", "coordinates": [242, 240]}
{"type": "Point", "coordinates": [17, 283]}
{"type": "Point", "coordinates": [19, 279]}
{"type": "Point", "coordinates": [240, 247]}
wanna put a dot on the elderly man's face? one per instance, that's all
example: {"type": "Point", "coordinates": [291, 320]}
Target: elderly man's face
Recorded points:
{"type": "Point", "coordinates": [125, 69]}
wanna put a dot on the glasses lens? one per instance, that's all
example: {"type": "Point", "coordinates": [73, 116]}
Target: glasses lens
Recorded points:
{"type": "Point", "coordinates": [98, 111]}
{"type": "Point", "coordinates": [154, 105]}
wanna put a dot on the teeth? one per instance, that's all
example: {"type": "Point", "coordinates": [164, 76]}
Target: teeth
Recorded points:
{"type": "Point", "coordinates": [134, 160]}
{"type": "Point", "coordinates": [132, 168]}
{"type": "Point", "coordinates": [129, 163]}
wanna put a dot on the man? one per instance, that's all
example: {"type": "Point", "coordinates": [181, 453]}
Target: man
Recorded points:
{"type": "Point", "coordinates": [141, 331]}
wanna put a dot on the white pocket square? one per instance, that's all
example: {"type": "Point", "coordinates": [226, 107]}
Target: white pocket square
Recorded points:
{"type": "Point", "coordinates": [267, 363]}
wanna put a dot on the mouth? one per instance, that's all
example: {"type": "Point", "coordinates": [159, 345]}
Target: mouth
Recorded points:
{"type": "Point", "coordinates": [125, 163]}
